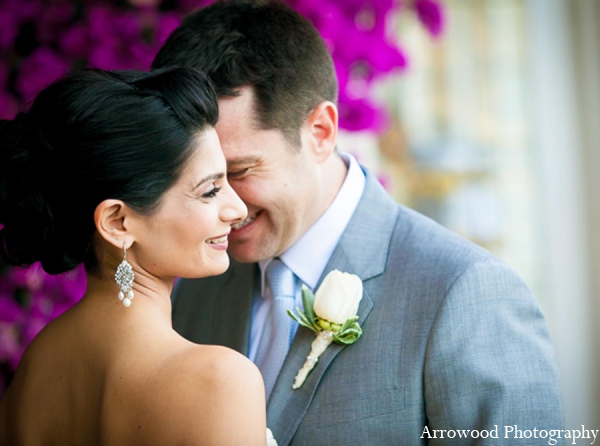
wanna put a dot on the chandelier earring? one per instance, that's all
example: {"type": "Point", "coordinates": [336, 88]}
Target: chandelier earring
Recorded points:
{"type": "Point", "coordinates": [124, 278]}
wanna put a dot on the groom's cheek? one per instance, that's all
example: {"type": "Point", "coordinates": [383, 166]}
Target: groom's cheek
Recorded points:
{"type": "Point", "coordinates": [246, 189]}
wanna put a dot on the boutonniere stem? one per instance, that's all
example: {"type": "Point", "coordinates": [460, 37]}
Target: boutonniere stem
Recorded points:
{"type": "Point", "coordinates": [331, 314]}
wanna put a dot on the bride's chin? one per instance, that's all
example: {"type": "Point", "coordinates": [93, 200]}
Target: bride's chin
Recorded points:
{"type": "Point", "coordinates": [219, 265]}
{"type": "Point", "coordinates": [208, 266]}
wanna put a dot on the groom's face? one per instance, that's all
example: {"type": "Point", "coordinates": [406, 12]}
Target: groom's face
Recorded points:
{"type": "Point", "coordinates": [276, 181]}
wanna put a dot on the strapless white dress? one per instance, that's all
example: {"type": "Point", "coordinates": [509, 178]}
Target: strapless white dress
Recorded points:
{"type": "Point", "coordinates": [270, 440]}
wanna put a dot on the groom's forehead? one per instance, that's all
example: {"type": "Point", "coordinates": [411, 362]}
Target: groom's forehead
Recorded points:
{"type": "Point", "coordinates": [243, 100]}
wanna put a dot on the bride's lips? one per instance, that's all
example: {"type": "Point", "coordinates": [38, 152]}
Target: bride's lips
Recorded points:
{"type": "Point", "coordinates": [220, 242]}
{"type": "Point", "coordinates": [244, 227]}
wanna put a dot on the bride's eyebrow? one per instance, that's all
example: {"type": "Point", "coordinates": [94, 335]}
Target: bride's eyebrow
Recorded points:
{"type": "Point", "coordinates": [214, 176]}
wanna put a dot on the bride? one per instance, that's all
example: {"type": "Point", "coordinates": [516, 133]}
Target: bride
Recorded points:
{"type": "Point", "coordinates": [123, 171]}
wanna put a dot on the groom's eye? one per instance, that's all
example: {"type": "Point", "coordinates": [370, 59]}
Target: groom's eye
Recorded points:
{"type": "Point", "coordinates": [237, 173]}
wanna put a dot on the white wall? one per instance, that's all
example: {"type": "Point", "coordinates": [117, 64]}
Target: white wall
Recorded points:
{"type": "Point", "coordinates": [563, 156]}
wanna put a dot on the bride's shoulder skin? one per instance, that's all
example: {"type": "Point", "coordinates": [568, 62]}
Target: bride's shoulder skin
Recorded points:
{"type": "Point", "coordinates": [172, 393]}
{"type": "Point", "coordinates": [209, 396]}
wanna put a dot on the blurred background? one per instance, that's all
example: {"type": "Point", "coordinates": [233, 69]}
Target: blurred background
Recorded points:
{"type": "Point", "coordinates": [478, 113]}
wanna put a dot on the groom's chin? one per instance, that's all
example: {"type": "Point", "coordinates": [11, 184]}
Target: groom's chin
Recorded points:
{"type": "Point", "coordinates": [242, 256]}
{"type": "Point", "coordinates": [246, 252]}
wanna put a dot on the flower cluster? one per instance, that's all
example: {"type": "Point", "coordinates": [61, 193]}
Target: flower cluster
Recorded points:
{"type": "Point", "coordinates": [29, 299]}
{"type": "Point", "coordinates": [42, 39]}
{"type": "Point", "coordinates": [364, 48]}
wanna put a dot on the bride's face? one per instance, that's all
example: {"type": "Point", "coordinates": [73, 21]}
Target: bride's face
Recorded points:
{"type": "Point", "coordinates": [187, 236]}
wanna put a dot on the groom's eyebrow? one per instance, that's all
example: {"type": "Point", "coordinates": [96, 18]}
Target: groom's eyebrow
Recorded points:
{"type": "Point", "coordinates": [242, 160]}
{"type": "Point", "coordinates": [214, 176]}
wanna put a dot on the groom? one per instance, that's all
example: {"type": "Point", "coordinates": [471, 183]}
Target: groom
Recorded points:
{"type": "Point", "coordinates": [452, 338]}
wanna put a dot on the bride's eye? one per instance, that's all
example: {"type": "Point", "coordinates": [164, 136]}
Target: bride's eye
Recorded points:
{"type": "Point", "coordinates": [212, 192]}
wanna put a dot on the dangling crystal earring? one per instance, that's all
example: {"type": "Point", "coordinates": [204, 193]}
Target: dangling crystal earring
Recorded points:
{"type": "Point", "coordinates": [124, 278]}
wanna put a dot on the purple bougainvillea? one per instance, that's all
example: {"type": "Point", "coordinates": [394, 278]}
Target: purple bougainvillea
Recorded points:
{"type": "Point", "coordinates": [29, 299]}
{"type": "Point", "coordinates": [42, 39]}
{"type": "Point", "coordinates": [431, 14]}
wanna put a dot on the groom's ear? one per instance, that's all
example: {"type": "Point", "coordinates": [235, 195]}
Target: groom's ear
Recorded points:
{"type": "Point", "coordinates": [112, 219]}
{"type": "Point", "coordinates": [321, 130]}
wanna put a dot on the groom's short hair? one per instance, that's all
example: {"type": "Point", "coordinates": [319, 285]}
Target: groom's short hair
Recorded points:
{"type": "Point", "coordinates": [265, 45]}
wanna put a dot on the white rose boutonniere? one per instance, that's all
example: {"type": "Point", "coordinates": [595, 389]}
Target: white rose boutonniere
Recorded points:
{"type": "Point", "coordinates": [331, 314]}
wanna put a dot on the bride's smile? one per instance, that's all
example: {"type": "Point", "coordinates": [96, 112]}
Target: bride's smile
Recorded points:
{"type": "Point", "coordinates": [188, 233]}
{"type": "Point", "coordinates": [219, 242]}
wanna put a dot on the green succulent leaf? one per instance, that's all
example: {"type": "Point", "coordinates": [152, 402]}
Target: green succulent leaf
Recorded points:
{"type": "Point", "coordinates": [346, 339]}
{"type": "Point", "coordinates": [308, 299]}
{"type": "Point", "coordinates": [302, 319]}
{"type": "Point", "coordinates": [349, 323]}
{"type": "Point", "coordinates": [349, 333]}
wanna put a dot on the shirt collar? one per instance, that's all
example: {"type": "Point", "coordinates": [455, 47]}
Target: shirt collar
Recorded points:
{"type": "Point", "coordinates": [308, 257]}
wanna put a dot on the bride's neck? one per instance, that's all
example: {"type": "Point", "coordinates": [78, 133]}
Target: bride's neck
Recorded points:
{"type": "Point", "coordinates": [151, 294]}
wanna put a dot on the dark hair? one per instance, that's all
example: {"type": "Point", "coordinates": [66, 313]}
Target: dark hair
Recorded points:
{"type": "Point", "coordinates": [265, 45]}
{"type": "Point", "coordinates": [90, 136]}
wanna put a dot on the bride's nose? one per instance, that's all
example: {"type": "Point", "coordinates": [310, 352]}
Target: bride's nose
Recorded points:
{"type": "Point", "coordinates": [234, 210]}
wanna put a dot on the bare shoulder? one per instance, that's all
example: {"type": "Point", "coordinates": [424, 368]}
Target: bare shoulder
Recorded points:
{"type": "Point", "coordinates": [213, 396]}
{"type": "Point", "coordinates": [215, 373]}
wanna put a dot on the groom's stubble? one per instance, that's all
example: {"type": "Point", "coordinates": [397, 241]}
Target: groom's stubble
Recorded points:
{"type": "Point", "coordinates": [279, 183]}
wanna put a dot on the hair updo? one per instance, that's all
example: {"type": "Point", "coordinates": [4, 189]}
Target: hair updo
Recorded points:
{"type": "Point", "coordinates": [88, 137]}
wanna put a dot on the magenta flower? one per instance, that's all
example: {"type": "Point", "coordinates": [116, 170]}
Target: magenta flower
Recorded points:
{"type": "Point", "coordinates": [74, 41]}
{"type": "Point", "coordinates": [38, 71]}
{"type": "Point", "coordinates": [189, 5]}
{"type": "Point", "coordinates": [166, 25]}
{"type": "Point", "coordinates": [126, 25]}
{"type": "Point", "coordinates": [53, 19]}
{"type": "Point", "coordinates": [48, 296]}
{"type": "Point", "coordinates": [105, 55]}
{"type": "Point", "coordinates": [327, 18]}
{"type": "Point", "coordinates": [357, 115]}
{"type": "Point", "coordinates": [42, 304]}
{"type": "Point", "coordinates": [10, 311]}
{"type": "Point", "coordinates": [142, 55]}
{"type": "Point", "coordinates": [11, 349]}
{"type": "Point", "coordinates": [72, 285]}
{"type": "Point", "coordinates": [99, 23]}
{"type": "Point", "coordinates": [9, 28]}
{"type": "Point", "coordinates": [430, 13]}
{"type": "Point", "coordinates": [26, 10]}
{"type": "Point", "coordinates": [387, 58]}
{"type": "Point", "coordinates": [30, 278]}
{"type": "Point", "coordinates": [343, 74]}
{"type": "Point", "coordinates": [354, 31]}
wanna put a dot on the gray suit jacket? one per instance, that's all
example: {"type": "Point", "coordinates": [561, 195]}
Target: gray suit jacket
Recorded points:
{"type": "Point", "coordinates": [452, 339]}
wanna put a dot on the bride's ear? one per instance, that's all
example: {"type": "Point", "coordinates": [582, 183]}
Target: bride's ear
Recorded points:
{"type": "Point", "coordinates": [113, 223]}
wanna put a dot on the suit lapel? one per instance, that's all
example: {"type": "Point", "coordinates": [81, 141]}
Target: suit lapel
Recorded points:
{"type": "Point", "coordinates": [362, 251]}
